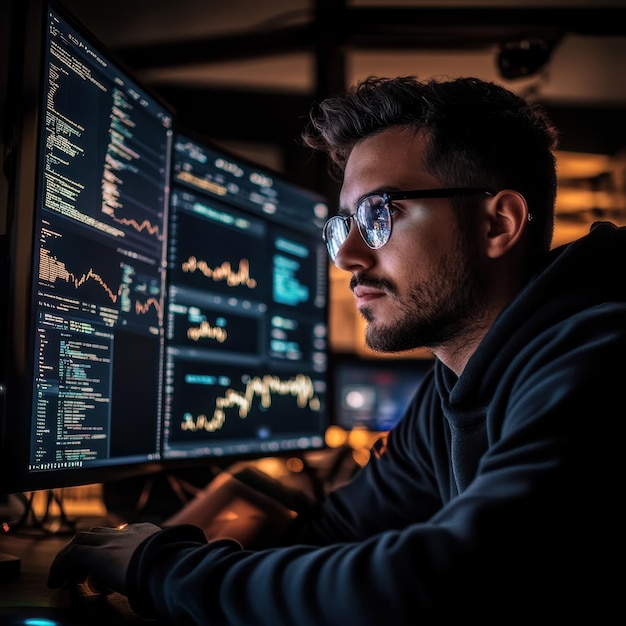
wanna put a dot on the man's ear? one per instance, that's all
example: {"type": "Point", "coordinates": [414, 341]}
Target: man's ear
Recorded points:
{"type": "Point", "coordinates": [507, 214]}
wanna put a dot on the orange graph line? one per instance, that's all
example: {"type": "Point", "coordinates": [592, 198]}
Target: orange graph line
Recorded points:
{"type": "Point", "coordinates": [51, 270]}
{"type": "Point", "coordinates": [142, 308]}
{"type": "Point", "coordinates": [138, 226]}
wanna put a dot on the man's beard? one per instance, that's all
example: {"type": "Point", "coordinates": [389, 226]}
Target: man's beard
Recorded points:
{"type": "Point", "coordinates": [435, 313]}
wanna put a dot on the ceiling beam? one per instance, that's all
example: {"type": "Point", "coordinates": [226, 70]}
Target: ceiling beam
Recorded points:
{"type": "Point", "coordinates": [447, 28]}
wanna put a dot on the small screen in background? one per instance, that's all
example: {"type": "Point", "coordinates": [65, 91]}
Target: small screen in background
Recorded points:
{"type": "Point", "coordinates": [374, 394]}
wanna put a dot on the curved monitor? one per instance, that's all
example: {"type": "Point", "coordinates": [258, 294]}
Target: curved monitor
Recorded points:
{"type": "Point", "coordinates": [165, 301]}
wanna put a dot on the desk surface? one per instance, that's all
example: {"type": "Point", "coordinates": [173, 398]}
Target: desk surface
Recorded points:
{"type": "Point", "coordinates": [28, 596]}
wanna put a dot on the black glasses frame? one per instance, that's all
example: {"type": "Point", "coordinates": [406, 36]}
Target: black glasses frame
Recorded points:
{"type": "Point", "coordinates": [376, 239]}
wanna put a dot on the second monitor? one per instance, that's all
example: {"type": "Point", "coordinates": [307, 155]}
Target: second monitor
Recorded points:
{"type": "Point", "coordinates": [246, 327]}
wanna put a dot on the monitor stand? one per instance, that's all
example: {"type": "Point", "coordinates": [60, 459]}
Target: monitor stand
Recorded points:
{"type": "Point", "coordinates": [13, 512]}
{"type": "Point", "coordinates": [9, 567]}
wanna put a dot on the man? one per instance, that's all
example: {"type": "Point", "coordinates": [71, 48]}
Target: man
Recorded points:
{"type": "Point", "coordinates": [495, 498]}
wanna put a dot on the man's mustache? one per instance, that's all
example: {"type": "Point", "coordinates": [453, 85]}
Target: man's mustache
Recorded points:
{"type": "Point", "coordinates": [369, 281]}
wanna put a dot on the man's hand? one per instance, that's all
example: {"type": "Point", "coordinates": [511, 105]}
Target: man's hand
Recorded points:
{"type": "Point", "coordinates": [102, 554]}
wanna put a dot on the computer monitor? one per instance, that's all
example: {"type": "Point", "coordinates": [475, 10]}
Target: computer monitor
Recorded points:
{"type": "Point", "coordinates": [373, 393]}
{"type": "Point", "coordinates": [246, 327]}
{"type": "Point", "coordinates": [165, 302]}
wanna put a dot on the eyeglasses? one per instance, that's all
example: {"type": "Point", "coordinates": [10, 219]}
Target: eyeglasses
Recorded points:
{"type": "Point", "coordinates": [373, 216]}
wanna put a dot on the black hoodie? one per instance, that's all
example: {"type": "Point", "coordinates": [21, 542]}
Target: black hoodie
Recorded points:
{"type": "Point", "coordinates": [494, 499]}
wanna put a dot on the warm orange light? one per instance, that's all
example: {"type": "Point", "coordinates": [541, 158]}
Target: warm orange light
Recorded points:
{"type": "Point", "coordinates": [295, 465]}
{"type": "Point", "coordinates": [335, 436]}
{"type": "Point", "coordinates": [359, 438]}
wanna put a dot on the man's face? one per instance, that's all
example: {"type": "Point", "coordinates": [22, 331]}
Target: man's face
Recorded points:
{"type": "Point", "coordinates": [420, 289]}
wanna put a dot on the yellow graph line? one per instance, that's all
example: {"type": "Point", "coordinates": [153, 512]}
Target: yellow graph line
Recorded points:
{"type": "Point", "coordinates": [222, 272]}
{"type": "Point", "coordinates": [301, 387]}
{"type": "Point", "coordinates": [205, 330]}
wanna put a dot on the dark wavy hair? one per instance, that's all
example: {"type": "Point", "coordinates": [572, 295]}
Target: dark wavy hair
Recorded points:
{"type": "Point", "coordinates": [480, 134]}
